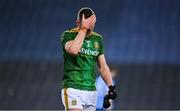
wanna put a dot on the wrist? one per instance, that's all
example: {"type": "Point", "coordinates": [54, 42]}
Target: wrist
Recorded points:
{"type": "Point", "coordinates": [84, 29]}
{"type": "Point", "coordinates": [111, 87]}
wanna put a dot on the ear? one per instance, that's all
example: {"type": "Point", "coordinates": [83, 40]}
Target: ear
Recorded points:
{"type": "Point", "coordinates": [78, 23]}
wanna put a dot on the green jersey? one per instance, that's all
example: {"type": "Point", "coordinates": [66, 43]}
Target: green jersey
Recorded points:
{"type": "Point", "coordinates": [79, 71]}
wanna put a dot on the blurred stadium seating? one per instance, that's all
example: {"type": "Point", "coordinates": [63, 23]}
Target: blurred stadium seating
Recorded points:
{"type": "Point", "coordinates": [141, 37]}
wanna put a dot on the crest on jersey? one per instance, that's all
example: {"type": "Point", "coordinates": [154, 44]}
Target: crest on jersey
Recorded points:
{"type": "Point", "coordinates": [96, 45]}
{"type": "Point", "coordinates": [88, 43]}
{"type": "Point", "coordinates": [74, 102]}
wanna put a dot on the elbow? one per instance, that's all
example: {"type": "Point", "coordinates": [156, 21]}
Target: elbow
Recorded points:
{"type": "Point", "coordinates": [104, 68]}
{"type": "Point", "coordinates": [70, 49]}
{"type": "Point", "coordinates": [73, 51]}
{"type": "Point", "coordinates": [101, 69]}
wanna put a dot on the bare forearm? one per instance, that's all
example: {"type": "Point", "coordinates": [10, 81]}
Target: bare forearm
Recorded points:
{"type": "Point", "coordinates": [77, 42]}
{"type": "Point", "coordinates": [105, 73]}
{"type": "Point", "coordinates": [73, 47]}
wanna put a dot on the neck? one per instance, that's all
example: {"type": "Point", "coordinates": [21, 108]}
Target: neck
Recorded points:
{"type": "Point", "coordinates": [89, 32]}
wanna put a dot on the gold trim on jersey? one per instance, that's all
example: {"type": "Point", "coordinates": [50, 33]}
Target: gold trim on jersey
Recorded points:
{"type": "Point", "coordinates": [74, 30]}
{"type": "Point", "coordinates": [66, 99]}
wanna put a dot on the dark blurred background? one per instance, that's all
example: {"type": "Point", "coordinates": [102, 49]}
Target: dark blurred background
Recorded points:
{"type": "Point", "coordinates": [141, 37]}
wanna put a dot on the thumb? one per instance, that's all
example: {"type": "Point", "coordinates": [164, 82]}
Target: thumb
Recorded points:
{"type": "Point", "coordinates": [83, 17]}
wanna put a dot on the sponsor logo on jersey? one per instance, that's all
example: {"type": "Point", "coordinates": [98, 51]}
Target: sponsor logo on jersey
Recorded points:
{"type": "Point", "coordinates": [89, 52]}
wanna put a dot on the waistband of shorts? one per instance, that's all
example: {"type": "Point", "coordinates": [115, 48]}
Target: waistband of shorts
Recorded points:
{"type": "Point", "coordinates": [80, 87]}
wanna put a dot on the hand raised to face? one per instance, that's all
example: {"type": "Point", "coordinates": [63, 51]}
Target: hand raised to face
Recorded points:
{"type": "Point", "coordinates": [89, 22]}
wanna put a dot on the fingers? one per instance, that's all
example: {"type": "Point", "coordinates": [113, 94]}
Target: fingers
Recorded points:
{"type": "Point", "coordinates": [89, 22]}
{"type": "Point", "coordinates": [92, 18]}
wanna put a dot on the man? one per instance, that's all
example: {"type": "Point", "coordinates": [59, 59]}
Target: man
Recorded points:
{"type": "Point", "coordinates": [82, 49]}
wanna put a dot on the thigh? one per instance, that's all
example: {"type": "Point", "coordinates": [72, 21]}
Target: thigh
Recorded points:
{"type": "Point", "coordinates": [91, 99]}
{"type": "Point", "coordinates": [71, 99]}
{"type": "Point", "coordinates": [89, 108]}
